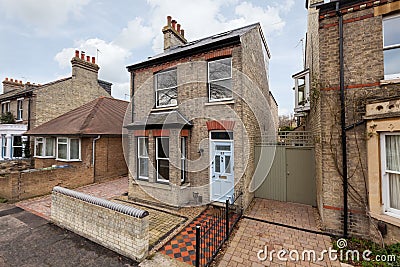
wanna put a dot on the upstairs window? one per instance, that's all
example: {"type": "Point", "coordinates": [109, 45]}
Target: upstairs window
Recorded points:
{"type": "Point", "coordinates": [220, 79]}
{"type": "Point", "coordinates": [166, 85]}
{"type": "Point", "coordinates": [302, 91]}
{"type": "Point", "coordinates": [20, 109]}
{"type": "Point", "coordinates": [391, 47]}
{"type": "Point", "coordinates": [44, 147]}
{"type": "Point", "coordinates": [5, 107]}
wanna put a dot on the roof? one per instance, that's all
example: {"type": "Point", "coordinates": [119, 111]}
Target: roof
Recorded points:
{"type": "Point", "coordinates": [29, 88]}
{"type": "Point", "coordinates": [331, 6]}
{"type": "Point", "coordinates": [171, 119]}
{"type": "Point", "coordinates": [223, 39]}
{"type": "Point", "coordinates": [102, 116]}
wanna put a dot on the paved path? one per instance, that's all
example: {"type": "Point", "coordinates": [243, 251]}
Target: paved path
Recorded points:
{"type": "Point", "coordinates": [27, 240]}
{"type": "Point", "coordinates": [41, 206]}
{"type": "Point", "coordinates": [253, 236]}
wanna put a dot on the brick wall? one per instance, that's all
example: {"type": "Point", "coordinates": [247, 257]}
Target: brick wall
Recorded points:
{"type": "Point", "coordinates": [125, 234]}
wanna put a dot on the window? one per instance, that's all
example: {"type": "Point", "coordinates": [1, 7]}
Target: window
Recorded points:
{"type": "Point", "coordinates": [17, 146]}
{"type": "Point", "coordinates": [166, 88]}
{"type": "Point", "coordinates": [391, 47]}
{"type": "Point", "coordinates": [44, 147]}
{"type": "Point", "coordinates": [143, 158]}
{"type": "Point", "coordinates": [391, 173]}
{"type": "Point", "coordinates": [220, 79]}
{"type": "Point", "coordinates": [5, 107]}
{"type": "Point", "coordinates": [222, 135]}
{"type": "Point", "coordinates": [68, 149]}
{"type": "Point", "coordinates": [302, 91]}
{"type": "Point", "coordinates": [183, 159]}
{"type": "Point", "coordinates": [3, 146]}
{"type": "Point", "coordinates": [20, 110]}
{"type": "Point", "coordinates": [162, 158]}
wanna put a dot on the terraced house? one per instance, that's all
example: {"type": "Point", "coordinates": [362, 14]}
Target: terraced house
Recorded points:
{"type": "Point", "coordinates": [348, 96]}
{"type": "Point", "coordinates": [26, 105]}
{"type": "Point", "coordinates": [194, 121]}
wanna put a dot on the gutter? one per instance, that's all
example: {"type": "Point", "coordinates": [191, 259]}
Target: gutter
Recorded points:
{"type": "Point", "coordinates": [343, 123]}
{"type": "Point", "coordinates": [94, 155]}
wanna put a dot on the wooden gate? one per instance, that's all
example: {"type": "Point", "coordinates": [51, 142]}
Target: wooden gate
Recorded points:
{"type": "Point", "coordinates": [291, 177]}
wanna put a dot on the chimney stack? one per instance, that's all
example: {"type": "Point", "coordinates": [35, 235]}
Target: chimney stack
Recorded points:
{"type": "Point", "coordinates": [173, 34]}
{"type": "Point", "coordinates": [84, 67]}
{"type": "Point", "coordinates": [11, 84]}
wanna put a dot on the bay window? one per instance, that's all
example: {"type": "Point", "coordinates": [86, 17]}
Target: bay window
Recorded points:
{"type": "Point", "coordinates": [162, 159]}
{"type": "Point", "coordinates": [183, 159]}
{"type": "Point", "coordinates": [143, 158]}
{"type": "Point", "coordinates": [68, 149]}
{"type": "Point", "coordinates": [17, 146]}
{"type": "Point", "coordinates": [44, 147]}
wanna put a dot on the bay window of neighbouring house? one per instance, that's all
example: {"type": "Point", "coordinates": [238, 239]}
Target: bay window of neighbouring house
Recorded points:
{"type": "Point", "coordinates": [3, 146]}
{"type": "Point", "coordinates": [143, 157]}
{"type": "Point", "coordinates": [20, 109]}
{"type": "Point", "coordinates": [166, 87]}
{"type": "Point", "coordinates": [68, 149]}
{"type": "Point", "coordinates": [220, 79]}
{"type": "Point", "coordinates": [44, 147]}
{"type": "Point", "coordinates": [391, 46]}
{"type": "Point", "coordinates": [183, 159]}
{"type": "Point", "coordinates": [390, 157]}
{"type": "Point", "coordinates": [162, 159]}
{"type": "Point", "coordinates": [17, 146]}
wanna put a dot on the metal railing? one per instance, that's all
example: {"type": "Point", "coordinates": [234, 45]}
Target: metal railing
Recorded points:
{"type": "Point", "coordinates": [289, 138]}
{"type": "Point", "coordinates": [212, 233]}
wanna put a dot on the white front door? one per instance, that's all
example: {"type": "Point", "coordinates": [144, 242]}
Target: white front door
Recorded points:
{"type": "Point", "coordinates": [222, 179]}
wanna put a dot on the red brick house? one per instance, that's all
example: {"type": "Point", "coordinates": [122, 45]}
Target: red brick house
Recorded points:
{"type": "Point", "coordinates": [88, 138]}
{"type": "Point", "coordinates": [194, 125]}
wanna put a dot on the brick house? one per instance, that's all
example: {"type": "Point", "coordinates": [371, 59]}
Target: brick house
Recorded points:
{"type": "Point", "coordinates": [347, 95]}
{"type": "Point", "coordinates": [193, 122]}
{"type": "Point", "coordinates": [34, 104]}
{"type": "Point", "coordinates": [88, 138]}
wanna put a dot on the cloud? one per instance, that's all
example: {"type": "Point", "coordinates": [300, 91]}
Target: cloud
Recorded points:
{"type": "Point", "coordinates": [43, 16]}
{"type": "Point", "coordinates": [135, 35]}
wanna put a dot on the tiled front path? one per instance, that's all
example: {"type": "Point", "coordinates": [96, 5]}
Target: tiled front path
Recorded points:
{"type": "Point", "coordinates": [252, 236]}
{"type": "Point", "coordinates": [41, 206]}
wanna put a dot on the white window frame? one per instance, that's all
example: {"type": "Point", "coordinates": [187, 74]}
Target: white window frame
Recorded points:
{"type": "Point", "coordinates": [142, 157]}
{"type": "Point", "coordinates": [7, 103]}
{"type": "Point", "coordinates": [4, 146]}
{"type": "Point", "coordinates": [390, 47]}
{"type": "Point", "coordinates": [159, 179]}
{"type": "Point", "coordinates": [166, 88]}
{"type": "Point", "coordinates": [69, 149]}
{"type": "Point", "coordinates": [217, 80]}
{"type": "Point", "coordinates": [183, 159]}
{"type": "Point", "coordinates": [20, 109]}
{"type": "Point", "coordinates": [21, 146]}
{"type": "Point", "coordinates": [305, 106]}
{"type": "Point", "coordinates": [44, 147]}
{"type": "Point", "coordinates": [385, 179]}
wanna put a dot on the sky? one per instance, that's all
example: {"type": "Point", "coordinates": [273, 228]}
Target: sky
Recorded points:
{"type": "Point", "coordinates": [39, 37]}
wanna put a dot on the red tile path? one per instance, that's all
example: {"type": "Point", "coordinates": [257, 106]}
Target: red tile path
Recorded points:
{"type": "Point", "coordinates": [182, 246]}
{"type": "Point", "coordinates": [41, 206]}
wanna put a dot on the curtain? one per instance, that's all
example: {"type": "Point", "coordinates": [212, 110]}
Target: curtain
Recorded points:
{"type": "Point", "coordinates": [394, 184]}
{"type": "Point", "coordinates": [393, 152]}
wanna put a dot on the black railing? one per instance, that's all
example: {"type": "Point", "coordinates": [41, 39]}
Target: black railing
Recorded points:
{"type": "Point", "coordinates": [213, 232]}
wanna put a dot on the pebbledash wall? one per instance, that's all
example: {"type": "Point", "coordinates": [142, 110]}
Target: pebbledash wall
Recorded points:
{"type": "Point", "coordinates": [248, 59]}
{"type": "Point", "coordinates": [364, 72]}
{"type": "Point", "coordinates": [125, 234]}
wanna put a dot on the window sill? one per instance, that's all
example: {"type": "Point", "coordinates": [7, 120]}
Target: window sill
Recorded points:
{"type": "Point", "coordinates": [146, 179]}
{"type": "Point", "coordinates": [69, 160]}
{"type": "Point", "coordinates": [19, 120]}
{"type": "Point", "coordinates": [164, 108]}
{"type": "Point", "coordinates": [387, 217]}
{"type": "Point", "coordinates": [44, 157]}
{"type": "Point", "coordinates": [391, 81]}
{"type": "Point", "coordinates": [222, 102]}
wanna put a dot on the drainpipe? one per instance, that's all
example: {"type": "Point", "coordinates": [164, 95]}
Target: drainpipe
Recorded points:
{"type": "Point", "coordinates": [343, 123]}
{"type": "Point", "coordinates": [132, 95]}
{"type": "Point", "coordinates": [94, 155]}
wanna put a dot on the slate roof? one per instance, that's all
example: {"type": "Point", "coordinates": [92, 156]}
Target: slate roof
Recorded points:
{"type": "Point", "coordinates": [102, 116]}
{"type": "Point", "coordinates": [211, 42]}
{"type": "Point", "coordinates": [171, 119]}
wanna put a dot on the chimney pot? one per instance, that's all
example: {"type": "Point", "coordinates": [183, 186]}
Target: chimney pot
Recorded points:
{"type": "Point", "coordinates": [173, 24]}
{"type": "Point", "coordinates": [169, 18]}
{"type": "Point", "coordinates": [88, 58]}
{"type": "Point", "coordinates": [28, 83]}
{"type": "Point", "coordinates": [83, 55]}
{"type": "Point", "coordinates": [93, 60]}
{"type": "Point", "coordinates": [178, 27]}
{"type": "Point", "coordinates": [76, 53]}
{"type": "Point", "coordinates": [20, 82]}
{"type": "Point", "coordinates": [6, 79]}
{"type": "Point", "coordinates": [183, 33]}
{"type": "Point", "coordinates": [11, 80]}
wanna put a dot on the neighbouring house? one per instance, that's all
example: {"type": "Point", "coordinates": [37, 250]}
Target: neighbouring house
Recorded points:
{"type": "Point", "coordinates": [348, 95]}
{"type": "Point", "coordinates": [26, 105]}
{"type": "Point", "coordinates": [197, 112]}
{"type": "Point", "coordinates": [88, 137]}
